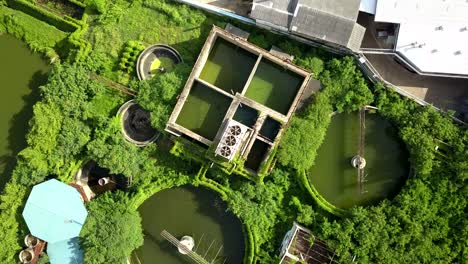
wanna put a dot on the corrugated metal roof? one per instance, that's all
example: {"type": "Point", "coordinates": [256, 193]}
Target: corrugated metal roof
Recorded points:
{"type": "Point", "coordinates": [324, 26]}
{"type": "Point", "coordinates": [280, 5]}
{"type": "Point", "coordinates": [270, 15]}
{"type": "Point", "coordinates": [332, 21]}
{"type": "Point", "coordinates": [343, 8]}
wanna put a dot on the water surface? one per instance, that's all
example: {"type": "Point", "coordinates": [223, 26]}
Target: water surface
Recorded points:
{"type": "Point", "coordinates": [203, 111]}
{"type": "Point", "coordinates": [387, 166]}
{"type": "Point", "coordinates": [228, 66]}
{"type": "Point", "coordinates": [274, 86]}
{"type": "Point", "coordinates": [246, 115]}
{"type": "Point", "coordinates": [191, 211]}
{"type": "Point", "coordinates": [257, 155]}
{"type": "Point", "coordinates": [21, 73]}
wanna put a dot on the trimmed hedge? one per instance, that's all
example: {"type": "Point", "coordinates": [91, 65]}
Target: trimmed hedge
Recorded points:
{"type": "Point", "coordinates": [129, 55]}
{"type": "Point", "coordinates": [64, 24]}
{"type": "Point", "coordinates": [249, 251]}
{"type": "Point", "coordinates": [78, 3]}
{"type": "Point", "coordinates": [39, 35]}
{"type": "Point", "coordinates": [81, 47]}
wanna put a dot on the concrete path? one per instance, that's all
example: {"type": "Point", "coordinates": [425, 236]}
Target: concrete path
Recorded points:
{"type": "Point", "coordinates": [444, 93]}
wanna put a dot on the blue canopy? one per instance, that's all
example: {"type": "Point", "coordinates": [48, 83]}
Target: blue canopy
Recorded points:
{"type": "Point", "coordinates": [54, 211]}
{"type": "Point", "coordinates": [65, 252]}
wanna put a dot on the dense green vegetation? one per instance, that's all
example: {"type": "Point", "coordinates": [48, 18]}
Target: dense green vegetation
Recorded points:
{"type": "Point", "coordinates": [158, 95]}
{"type": "Point", "coordinates": [129, 56]}
{"type": "Point", "coordinates": [109, 214]}
{"type": "Point", "coordinates": [427, 221]}
{"type": "Point", "coordinates": [75, 122]}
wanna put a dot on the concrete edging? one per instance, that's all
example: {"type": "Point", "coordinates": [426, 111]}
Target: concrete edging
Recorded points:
{"type": "Point", "coordinates": [146, 52]}
{"type": "Point", "coordinates": [121, 113]}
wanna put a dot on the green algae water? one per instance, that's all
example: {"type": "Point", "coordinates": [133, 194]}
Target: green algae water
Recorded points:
{"type": "Point", "coordinates": [21, 73]}
{"type": "Point", "coordinates": [273, 86]}
{"type": "Point", "coordinates": [191, 211]}
{"type": "Point", "coordinates": [203, 111]}
{"type": "Point", "coordinates": [228, 67]}
{"type": "Point", "coordinates": [386, 157]}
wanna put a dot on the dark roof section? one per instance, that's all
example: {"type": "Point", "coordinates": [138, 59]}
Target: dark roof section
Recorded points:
{"type": "Point", "coordinates": [332, 21]}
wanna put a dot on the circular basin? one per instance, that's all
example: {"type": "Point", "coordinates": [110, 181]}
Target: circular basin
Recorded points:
{"type": "Point", "coordinates": [194, 212]}
{"type": "Point", "coordinates": [136, 124]}
{"type": "Point", "coordinates": [386, 162]}
{"type": "Point", "coordinates": [156, 59]}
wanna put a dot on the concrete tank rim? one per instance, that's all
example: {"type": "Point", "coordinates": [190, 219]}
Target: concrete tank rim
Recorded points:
{"type": "Point", "coordinates": [148, 50]}
{"type": "Point", "coordinates": [120, 113]}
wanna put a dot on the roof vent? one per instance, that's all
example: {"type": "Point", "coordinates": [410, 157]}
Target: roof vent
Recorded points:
{"type": "Point", "coordinates": [225, 151]}
{"type": "Point", "coordinates": [230, 140]}
{"type": "Point", "coordinates": [235, 130]}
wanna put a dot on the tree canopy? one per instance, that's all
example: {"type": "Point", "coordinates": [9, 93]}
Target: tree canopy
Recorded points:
{"type": "Point", "coordinates": [112, 231]}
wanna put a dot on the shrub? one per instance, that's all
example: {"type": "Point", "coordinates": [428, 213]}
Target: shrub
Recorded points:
{"type": "Point", "coordinates": [305, 134]}
{"type": "Point", "coordinates": [345, 85]}
{"type": "Point", "coordinates": [112, 230]}
{"type": "Point", "coordinates": [158, 95]}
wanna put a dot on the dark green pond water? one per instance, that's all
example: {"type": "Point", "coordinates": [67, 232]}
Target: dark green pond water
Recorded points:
{"type": "Point", "coordinates": [228, 67]}
{"type": "Point", "coordinates": [204, 111]}
{"type": "Point", "coordinates": [387, 162]}
{"type": "Point", "coordinates": [196, 212]}
{"type": "Point", "coordinates": [246, 115]}
{"type": "Point", "coordinates": [21, 73]}
{"type": "Point", "coordinates": [256, 155]}
{"type": "Point", "coordinates": [273, 86]}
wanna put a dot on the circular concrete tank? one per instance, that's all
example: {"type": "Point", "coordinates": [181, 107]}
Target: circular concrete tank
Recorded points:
{"type": "Point", "coordinates": [136, 124]}
{"type": "Point", "coordinates": [156, 59]}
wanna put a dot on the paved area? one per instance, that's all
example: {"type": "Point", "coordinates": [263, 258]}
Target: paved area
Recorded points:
{"type": "Point", "coordinates": [444, 93]}
{"type": "Point", "coordinates": [371, 40]}
{"type": "Point", "coordinates": [240, 7]}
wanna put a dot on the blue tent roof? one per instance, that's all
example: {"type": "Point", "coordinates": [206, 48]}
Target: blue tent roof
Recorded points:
{"type": "Point", "coordinates": [65, 252]}
{"type": "Point", "coordinates": [54, 211]}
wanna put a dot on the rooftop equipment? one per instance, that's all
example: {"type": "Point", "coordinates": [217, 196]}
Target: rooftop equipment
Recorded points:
{"type": "Point", "coordinates": [231, 139]}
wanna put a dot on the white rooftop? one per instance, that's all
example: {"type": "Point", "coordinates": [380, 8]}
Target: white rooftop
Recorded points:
{"type": "Point", "coordinates": [368, 6]}
{"type": "Point", "coordinates": [433, 34]}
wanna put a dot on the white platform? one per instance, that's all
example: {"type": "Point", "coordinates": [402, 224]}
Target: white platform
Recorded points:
{"type": "Point", "coordinates": [431, 33]}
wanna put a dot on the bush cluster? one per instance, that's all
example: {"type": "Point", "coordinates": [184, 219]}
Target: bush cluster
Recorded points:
{"type": "Point", "coordinates": [129, 56]}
